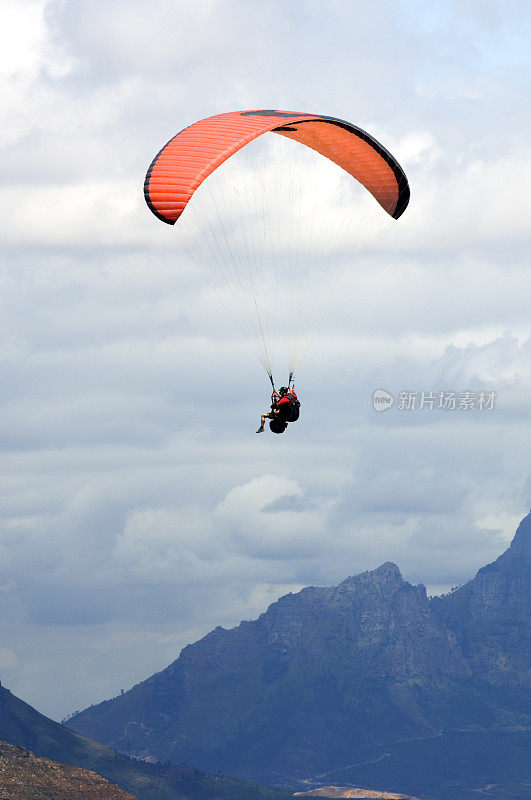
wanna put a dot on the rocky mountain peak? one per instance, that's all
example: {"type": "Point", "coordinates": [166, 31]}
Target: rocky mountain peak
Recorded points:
{"type": "Point", "coordinates": [386, 575]}
{"type": "Point", "coordinates": [521, 544]}
{"type": "Point", "coordinates": [503, 587]}
{"type": "Point", "coordinates": [329, 668]}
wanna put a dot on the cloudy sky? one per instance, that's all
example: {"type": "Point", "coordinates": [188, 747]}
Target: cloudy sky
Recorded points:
{"type": "Point", "coordinates": [138, 509]}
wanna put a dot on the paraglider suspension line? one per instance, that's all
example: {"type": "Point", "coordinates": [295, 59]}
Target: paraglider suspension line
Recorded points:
{"type": "Point", "coordinates": [273, 385]}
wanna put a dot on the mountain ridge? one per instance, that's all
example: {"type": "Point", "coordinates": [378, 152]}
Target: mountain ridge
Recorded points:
{"type": "Point", "coordinates": [328, 671]}
{"type": "Point", "coordinates": [23, 726]}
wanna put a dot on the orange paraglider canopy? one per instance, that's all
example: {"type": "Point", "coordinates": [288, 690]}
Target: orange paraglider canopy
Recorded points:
{"type": "Point", "coordinates": [194, 153]}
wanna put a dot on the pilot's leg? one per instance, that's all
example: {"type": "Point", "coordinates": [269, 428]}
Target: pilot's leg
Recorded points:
{"type": "Point", "coordinates": [262, 421]}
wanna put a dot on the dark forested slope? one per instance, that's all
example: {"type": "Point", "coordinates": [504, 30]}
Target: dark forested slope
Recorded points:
{"type": "Point", "coordinates": [22, 725]}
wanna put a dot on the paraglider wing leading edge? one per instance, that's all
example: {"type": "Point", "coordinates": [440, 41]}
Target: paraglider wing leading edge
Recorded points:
{"type": "Point", "coordinates": [194, 153]}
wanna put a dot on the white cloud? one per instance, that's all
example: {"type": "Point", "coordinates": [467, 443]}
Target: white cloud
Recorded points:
{"type": "Point", "coordinates": [23, 37]}
{"type": "Point", "coordinates": [139, 509]}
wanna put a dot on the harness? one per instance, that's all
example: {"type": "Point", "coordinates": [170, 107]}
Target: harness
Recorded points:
{"type": "Point", "coordinates": [289, 411]}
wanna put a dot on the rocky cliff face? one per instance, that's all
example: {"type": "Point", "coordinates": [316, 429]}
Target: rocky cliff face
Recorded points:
{"type": "Point", "coordinates": [491, 620]}
{"type": "Point", "coordinates": [326, 672]}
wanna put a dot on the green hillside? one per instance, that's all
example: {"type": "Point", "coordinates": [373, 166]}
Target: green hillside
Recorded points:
{"type": "Point", "coordinates": [22, 725]}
